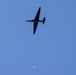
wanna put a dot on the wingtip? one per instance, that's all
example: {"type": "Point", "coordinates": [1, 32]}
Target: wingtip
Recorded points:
{"type": "Point", "coordinates": [39, 7]}
{"type": "Point", "coordinates": [33, 32]}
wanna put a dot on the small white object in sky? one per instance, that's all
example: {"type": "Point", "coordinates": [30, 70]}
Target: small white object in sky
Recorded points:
{"type": "Point", "coordinates": [34, 67]}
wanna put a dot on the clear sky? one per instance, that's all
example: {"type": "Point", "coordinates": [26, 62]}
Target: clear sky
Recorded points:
{"type": "Point", "coordinates": [51, 51]}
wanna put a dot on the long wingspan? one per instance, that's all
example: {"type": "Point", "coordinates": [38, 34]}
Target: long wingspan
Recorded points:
{"type": "Point", "coordinates": [36, 19]}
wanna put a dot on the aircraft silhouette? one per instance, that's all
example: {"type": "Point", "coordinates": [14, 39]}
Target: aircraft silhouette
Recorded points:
{"type": "Point", "coordinates": [36, 20]}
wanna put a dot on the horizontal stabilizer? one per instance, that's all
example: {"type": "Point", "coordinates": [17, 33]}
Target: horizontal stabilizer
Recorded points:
{"type": "Point", "coordinates": [44, 20]}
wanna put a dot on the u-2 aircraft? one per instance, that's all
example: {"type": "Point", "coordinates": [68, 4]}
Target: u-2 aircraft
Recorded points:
{"type": "Point", "coordinates": [36, 20]}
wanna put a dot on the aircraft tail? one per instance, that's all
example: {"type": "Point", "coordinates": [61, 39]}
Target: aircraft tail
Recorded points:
{"type": "Point", "coordinates": [43, 20]}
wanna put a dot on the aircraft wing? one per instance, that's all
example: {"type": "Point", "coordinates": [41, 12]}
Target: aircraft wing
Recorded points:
{"type": "Point", "coordinates": [36, 18]}
{"type": "Point", "coordinates": [35, 27]}
{"type": "Point", "coordinates": [38, 14]}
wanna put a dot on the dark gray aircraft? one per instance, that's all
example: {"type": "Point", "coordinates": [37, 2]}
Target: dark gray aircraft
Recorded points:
{"type": "Point", "coordinates": [36, 20]}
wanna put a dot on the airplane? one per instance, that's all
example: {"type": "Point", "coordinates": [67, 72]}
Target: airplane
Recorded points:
{"type": "Point", "coordinates": [36, 20]}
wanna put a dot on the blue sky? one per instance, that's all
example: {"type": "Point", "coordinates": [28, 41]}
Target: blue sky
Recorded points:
{"type": "Point", "coordinates": [51, 51]}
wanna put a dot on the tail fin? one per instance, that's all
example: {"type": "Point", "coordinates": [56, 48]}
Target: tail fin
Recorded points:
{"type": "Point", "coordinates": [44, 20]}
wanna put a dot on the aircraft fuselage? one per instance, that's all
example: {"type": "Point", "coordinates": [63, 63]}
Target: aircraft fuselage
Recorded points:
{"type": "Point", "coordinates": [34, 20]}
